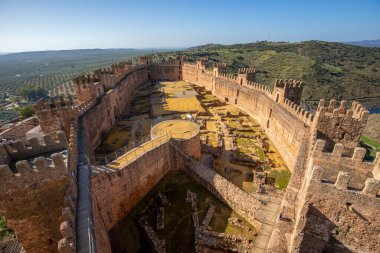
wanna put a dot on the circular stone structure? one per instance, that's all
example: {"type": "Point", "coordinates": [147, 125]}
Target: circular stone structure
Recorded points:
{"type": "Point", "coordinates": [177, 129]}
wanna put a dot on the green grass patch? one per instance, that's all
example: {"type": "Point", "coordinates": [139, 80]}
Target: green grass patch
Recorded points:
{"type": "Point", "coordinates": [282, 178]}
{"type": "Point", "coordinates": [5, 232]}
{"type": "Point", "coordinates": [371, 146]}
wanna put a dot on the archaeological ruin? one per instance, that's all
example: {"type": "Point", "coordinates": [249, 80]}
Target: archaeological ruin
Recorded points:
{"type": "Point", "coordinates": [182, 157]}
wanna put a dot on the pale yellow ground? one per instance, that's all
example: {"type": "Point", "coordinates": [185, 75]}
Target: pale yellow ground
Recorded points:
{"type": "Point", "coordinates": [170, 104]}
{"type": "Point", "coordinates": [178, 129]}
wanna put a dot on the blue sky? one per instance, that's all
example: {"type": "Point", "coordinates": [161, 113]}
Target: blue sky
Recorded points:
{"type": "Point", "coordinates": [53, 25]}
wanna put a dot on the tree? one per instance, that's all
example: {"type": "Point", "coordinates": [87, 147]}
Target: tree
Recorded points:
{"type": "Point", "coordinates": [32, 92]}
{"type": "Point", "coordinates": [26, 111]}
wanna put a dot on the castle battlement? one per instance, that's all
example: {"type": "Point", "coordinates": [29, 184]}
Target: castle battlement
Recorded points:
{"type": "Point", "coordinates": [53, 104]}
{"type": "Point", "coordinates": [86, 80]}
{"type": "Point", "coordinates": [337, 157]}
{"type": "Point", "coordinates": [299, 112]}
{"type": "Point", "coordinates": [228, 77]}
{"type": "Point", "coordinates": [287, 83]}
{"type": "Point", "coordinates": [246, 70]}
{"type": "Point", "coordinates": [40, 170]}
{"type": "Point", "coordinates": [18, 149]}
{"type": "Point", "coordinates": [357, 111]}
{"type": "Point", "coordinates": [259, 87]}
{"type": "Point", "coordinates": [83, 107]}
{"type": "Point", "coordinates": [371, 185]}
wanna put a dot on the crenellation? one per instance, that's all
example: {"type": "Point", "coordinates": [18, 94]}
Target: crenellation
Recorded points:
{"type": "Point", "coordinates": [342, 180]}
{"type": "Point", "coordinates": [371, 187]}
{"type": "Point", "coordinates": [359, 154]}
{"type": "Point", "coordinates": [18, 149]}
{"type": "Point", "coordinates": [23, 167]}
{"type": "Point", "coordinates": [5, 172]}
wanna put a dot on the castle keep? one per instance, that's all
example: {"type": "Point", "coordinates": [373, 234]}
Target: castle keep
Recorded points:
{"type": "Point", "coordinates": [57, 199]}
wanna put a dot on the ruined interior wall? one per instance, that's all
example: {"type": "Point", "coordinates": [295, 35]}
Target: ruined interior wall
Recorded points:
{"type": "Point", "coordinates": [166, 71]}
{"type": "Point", "coordinates": [116, 193]}
{"type": "Point", "coordinates": [98, 120]}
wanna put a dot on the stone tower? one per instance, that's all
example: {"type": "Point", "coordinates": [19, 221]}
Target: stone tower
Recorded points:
{"type": "Point", "coordinates": [288, 89]}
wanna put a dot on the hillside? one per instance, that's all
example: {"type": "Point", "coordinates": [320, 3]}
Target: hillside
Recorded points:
{"type": "Point", "coordinates": [49, 69]}
{"type": "Point", "coordinates": [329, 70]}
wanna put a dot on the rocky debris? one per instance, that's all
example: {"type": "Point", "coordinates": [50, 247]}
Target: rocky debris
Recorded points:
{"type": "Point", "coordinates": [160, 218]}
{"type": "Point", "coordinates": [158, 245]}
{"type": "Point", "coordinates": [191, 197]}
{"type": "Point", "coordinates": [163, 200]}
{"type": "Point", "coordinates": [208, 217]}
{"type": "Point", "coordinates": [237, 223]}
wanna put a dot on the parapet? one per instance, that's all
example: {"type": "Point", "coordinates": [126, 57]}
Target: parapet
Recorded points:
{"type": "Point", "coordinates": [41, 170]}
{"type": "Point", "coordinates": [259, 87]}
{"type": "Point", "coordinates": [288, 83]}
{"type": "Point", "coordinates": [231, 78]}
{"type": "Point", "coordinates": [146, 60]}
{"type": "Point", "coordinates": [246, 70]}
{"type": "Point", "coordinates": [299, 112]}
{"type": "Point", "coordinates": [86, 80]}
{"type": "Point", "coordinates": [371, 186]}
{"type": "Point", "coordinates": [332, 110]}
{"type": "Point", "coordinates": [18, 149]}
{"type": "Point", "coordinates": [336, 156]}
{"type": "Point", "coordinates": [53, 104]}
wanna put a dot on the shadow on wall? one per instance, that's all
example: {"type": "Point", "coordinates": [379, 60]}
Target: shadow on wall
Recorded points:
{"type": "Point", "coordinates": [318, 234]}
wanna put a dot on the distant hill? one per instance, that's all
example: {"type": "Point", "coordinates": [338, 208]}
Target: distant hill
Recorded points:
{"type": "Point", "coordinates": [206, 46]}
{"type": "Point", "coordinates": [49, 69]}
{"type": "Point", "coordinates": [329, 70]}
{"type": "Point", "coordinates": [365, 43]}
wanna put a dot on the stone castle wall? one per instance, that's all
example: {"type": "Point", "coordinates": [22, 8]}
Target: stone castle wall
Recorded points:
{"type": "Point", "coordinates": [282, 124]}
{"type": "Point", "coordinates": [19, 130]}
{"type": "Point", "coordinates": [337, 219]}
{"type": "Point", "coordinates": [32, 201]}
{"type": "Point", "coordinates": [337, 124]}
{"type": "Point", "coordinates": [99, 118]}
{"type": "Point", "coordinates": [127, 187]}
{"type": "Point", "coordinates": [170, 71]}
{"type": "Point", "coordinates": [21, 149]}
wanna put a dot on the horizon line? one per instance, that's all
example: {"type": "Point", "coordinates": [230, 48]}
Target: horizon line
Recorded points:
{"type": "Point", "coordinates": [179, 47]}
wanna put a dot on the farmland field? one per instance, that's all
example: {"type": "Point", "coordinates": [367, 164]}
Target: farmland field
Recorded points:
{"type": "Point", "coordinates": [50, 69]}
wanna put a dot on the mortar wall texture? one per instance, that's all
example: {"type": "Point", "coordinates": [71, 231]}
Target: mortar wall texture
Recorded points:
{"type": "Point", "coordinates": [32, 202]}
{"type": "Point", "coordinates": [352, 225]}
{"type": "Point", "coordinates": [129, 185]}
{"type": "Point", "coordinates": [98, 120]}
